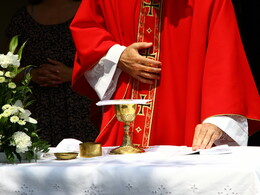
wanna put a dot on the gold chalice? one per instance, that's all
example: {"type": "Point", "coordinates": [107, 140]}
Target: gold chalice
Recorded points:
{"type": "Point", "coordinates": [126, 113]}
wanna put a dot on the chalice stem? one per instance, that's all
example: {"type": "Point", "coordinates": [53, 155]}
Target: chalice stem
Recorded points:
{"type": "Point", "coordinates": [127, 141]}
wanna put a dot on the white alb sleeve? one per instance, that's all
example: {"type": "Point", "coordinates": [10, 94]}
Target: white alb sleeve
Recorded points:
{"type": "Point", "coordinates": [104, 76]}
{"type": "Point", "coordinates": [235, 129]}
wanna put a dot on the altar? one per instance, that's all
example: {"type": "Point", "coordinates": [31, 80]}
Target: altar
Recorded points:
{"type": "Point", "coordinates": [160, 170]}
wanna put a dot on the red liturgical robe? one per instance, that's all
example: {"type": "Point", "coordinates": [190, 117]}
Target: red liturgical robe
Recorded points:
{"type": "Point", "coordinates": [204, 68]}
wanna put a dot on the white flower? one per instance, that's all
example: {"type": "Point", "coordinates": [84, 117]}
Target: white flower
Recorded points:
{"type": "Point", "coordinates": [11, 85]}
{"type": "Point", "coordinates": [9, 59]}
{"type": "Point", "coordinates": [21, 122]}
{"type": "Point", "coordinates": [18, 103]}
{"type": "Point", "coordinates": [6, 106]}
{"type": "Point", "coordinates": [31, 120]}
{"type": "Point", "coordinates": [25, 116]}
{"type": "Point", "coordinates": [16, 107]}
{"type": "Point", "coordinates": [8, 110]}
{"type": "Point", "coordinates": [22, 110]}
{"type": "Point", "coordinates": [22, 141]}
{"type": "Point", "coordinates": [7, 113]}
{"type": "Point", "coordinates": [2, 79]}
{"type": "Point", "coordinates": [9, 74]}
{"type": "Point", "coordinates": [18, 112]}
{"type": "Point", "coordinates": [14, 119]}
{"type": "Point", "coordinates": [1, 73]}
{"type": "Point", "coordinates": [12, 110]}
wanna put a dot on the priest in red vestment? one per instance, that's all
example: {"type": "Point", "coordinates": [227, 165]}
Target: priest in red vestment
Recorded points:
{"type": "Point", "coordinates": [184, 55]}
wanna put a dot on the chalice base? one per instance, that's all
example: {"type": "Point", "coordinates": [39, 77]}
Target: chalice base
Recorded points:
{"type": "Point", "coordinates": [127, 150]}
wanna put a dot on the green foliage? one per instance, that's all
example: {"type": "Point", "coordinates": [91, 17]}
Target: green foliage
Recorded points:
{"type": "Point", "coordinates": [13, 44]}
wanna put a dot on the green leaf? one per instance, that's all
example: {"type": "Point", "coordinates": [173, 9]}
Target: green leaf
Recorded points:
{"type": "Point", "coordinates": [29, 155]}
{"type": "Point", "coordinates": [13, 44]}
{"type": "Point", "coordinates": [18, 156]}
{"type": "Point", "coordinates": [9, 155]}
{"type": "Point", "coordinates": [20, 51]}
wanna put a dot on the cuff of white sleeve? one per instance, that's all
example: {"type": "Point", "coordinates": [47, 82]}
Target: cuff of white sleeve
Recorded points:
{"type": "Point", "coordinates": [102, 76]}
{"type": "Point", "coordinates": [114, 53]}
{"type": "Point", "coordinates": [110, 66]}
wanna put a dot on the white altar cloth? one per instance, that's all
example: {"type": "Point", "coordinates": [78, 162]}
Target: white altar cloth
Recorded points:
{"type": "Point", "coordinates": [161, 171]}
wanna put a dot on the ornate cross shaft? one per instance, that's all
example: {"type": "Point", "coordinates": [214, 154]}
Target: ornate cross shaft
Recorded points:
{"type": "Point", "coordinates": [151, 6]}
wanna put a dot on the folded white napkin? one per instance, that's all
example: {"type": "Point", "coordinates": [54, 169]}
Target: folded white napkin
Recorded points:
{"type": "Point", "coordinates": [67, 145]}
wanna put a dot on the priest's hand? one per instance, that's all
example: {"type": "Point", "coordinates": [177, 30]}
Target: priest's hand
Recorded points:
{"type": "Point", "coordinates": [139, 67]}
{"type": "Point", "coordinates": [205, 135]}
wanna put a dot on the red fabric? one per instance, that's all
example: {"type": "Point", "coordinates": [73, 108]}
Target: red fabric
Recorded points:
{"type": "Point", "coordinates": [204, 67]}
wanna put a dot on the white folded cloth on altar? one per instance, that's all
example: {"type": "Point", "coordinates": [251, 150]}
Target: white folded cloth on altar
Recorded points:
{"type": "Point", "coordinates": [66, 145]}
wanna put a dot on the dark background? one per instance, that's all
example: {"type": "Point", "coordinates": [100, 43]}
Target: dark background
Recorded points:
{"type": "Point", "coordinates": [247, 12]}
{"type": "Point", "coordinates": [7, 9]}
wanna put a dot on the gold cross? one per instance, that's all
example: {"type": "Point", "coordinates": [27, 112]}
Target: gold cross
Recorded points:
{"type": "Point", "coordinates": [151, 5]}
{"type": "Point", "coordinates": [142, 106]}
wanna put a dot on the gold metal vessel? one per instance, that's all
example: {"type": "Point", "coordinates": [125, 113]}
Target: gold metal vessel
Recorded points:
{"type": "Point", "coordinates": [90, 149]}
{"type": "Point", "coordinates": [126, 113]}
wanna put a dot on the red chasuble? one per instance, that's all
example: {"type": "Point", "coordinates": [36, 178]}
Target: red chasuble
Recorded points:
{"type": "Point", "coordinates": [204, 68]}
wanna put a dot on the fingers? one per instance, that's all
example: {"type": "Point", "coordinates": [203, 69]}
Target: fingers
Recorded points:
{"type": "Point", "coordinates": [50, 68]}
{"type": "Point", "coordinates": [133, 52]}
{"type": "Point", "coordinates": [45, 77]}
{"type": "Point", "coordinates": [54, 62]}
{"type": "Point", "coordinates": [141, 45]}
{"type": "Point", "coordinates": [149, 62]}
{"type": "Point", "coordinates": [52, 74]}
{"type": "Point", "coordinates": [205, 135]}
{"type": "Point", "coordinates": [50, 81]}
{"type": "Point", "coordinates": [148, 74]}
{"type": "Point", "coordinates": [145, 80]}
{"type": "Point", "coordinates": [144, 74]}
{"type": "Point", "coordinates": [139, 67]}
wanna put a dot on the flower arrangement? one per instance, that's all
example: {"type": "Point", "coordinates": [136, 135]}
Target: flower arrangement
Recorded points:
{"type": "Point", "coordinates": [18, 131]}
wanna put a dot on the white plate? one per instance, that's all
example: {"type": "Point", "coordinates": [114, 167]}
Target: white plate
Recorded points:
{"type": "Point", "coordinates": [123, 101]}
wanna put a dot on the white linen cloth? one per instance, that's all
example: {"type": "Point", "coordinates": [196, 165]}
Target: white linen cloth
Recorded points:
{"type": "Point", "coordinates": [161, 170]}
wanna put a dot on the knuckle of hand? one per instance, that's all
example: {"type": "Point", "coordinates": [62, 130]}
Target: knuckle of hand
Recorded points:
{"type": "Point", "coordinates": [204, 130]}
{"type": "Point", "coordinates": [198, 125]}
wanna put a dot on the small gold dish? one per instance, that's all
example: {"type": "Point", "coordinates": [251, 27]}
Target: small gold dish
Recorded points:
{"type": "Point", "coordinates": [66, 155]}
